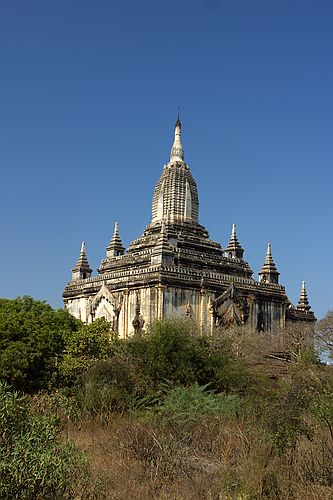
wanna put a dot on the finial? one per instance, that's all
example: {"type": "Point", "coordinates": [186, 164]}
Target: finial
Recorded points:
{"type": "Point", "coordinates": [234, 249]}
{"type": "Point", "coordinates": [115, 247]}
{"type": "Point", "coordinates": [177, 152]}
{"type": "Point", "coordinates": [303, 303]}
{"type": "Point", "coordinates": [269, 272]}
{"type": "Point", "coordinates": [82, 268]}
{"type": "Point", "coordinates": [178, 122]}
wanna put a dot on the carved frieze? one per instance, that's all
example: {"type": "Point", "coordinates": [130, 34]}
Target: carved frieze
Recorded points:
{"type": "Point", "coordinates": [230, 308]}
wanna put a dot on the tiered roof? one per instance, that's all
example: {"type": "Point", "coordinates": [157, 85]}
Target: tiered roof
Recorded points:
{"type": "Point", "coordinates": [234, 248]}
{"type": "Point", "coordinates": [303, 303]}
{"type": "Point", "coordinates": [115, 246]}
{"type": "Point", "coordinates": [82, 268]}
{"type": "Point", "coordinates": [269, 272]}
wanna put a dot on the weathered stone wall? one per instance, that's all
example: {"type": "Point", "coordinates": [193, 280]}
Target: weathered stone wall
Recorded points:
{"type": "Point", "coordinates": [78, 308]}
{"type": "Point", "coordinates": [159, 301]}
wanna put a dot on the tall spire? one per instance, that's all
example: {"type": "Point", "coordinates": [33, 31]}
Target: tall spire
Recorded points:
{"type": "Point", "coordinates": [303, 303]}
{"type": "Point", "coordinates": [81, 270]}
{"type": "Point", "coordinates": [269, 273]}
{"type": "Point", "coordinates": [177, 151]}
{"type": "Point", "coordinates": [115, 246]}
{"type": "Point", "coordinates": [234, 249]}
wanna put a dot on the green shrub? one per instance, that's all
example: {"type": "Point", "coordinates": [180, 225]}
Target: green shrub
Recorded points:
{"type": "Point", "coordinates": [172, 351]}
{"type": "Point", "coordinates": [186, 404]}
{"type": "Point", "coordinates": [32, 340]}
{"type": "Point", "coordinates": [107, 387]}
{"type": "Point", "coordinates": [83, 347]}
{"type": "Point", "coordinates": [34, 462]}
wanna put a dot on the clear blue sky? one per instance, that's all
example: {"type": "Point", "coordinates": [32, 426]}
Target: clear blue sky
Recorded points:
{"type": "Point", "coordinates": [88, 101]}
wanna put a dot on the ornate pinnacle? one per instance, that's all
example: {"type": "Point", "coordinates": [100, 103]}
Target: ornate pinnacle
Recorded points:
{"type": "Point", "coordinates": [177, 151]}
{"type": "Point", "coordinates": [115, 237]}
{"type": "Point", "coordinates": [234, 248]}
{"type": "Point", "coordinates": [82, 268]}
{"type": "Point", "coordinates": [115, 246]}
{"type": "Point", "coordinates": [82, 261]}
{"type": "Point", "coordinates": [303, 303]}
{"type": "Point", "coordinates": [269, 265]}
{"type": "Point", "coordinates": [269, 272]}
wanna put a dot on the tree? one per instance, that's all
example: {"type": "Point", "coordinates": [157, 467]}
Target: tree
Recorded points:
{"type": "Point", "coordinates": [324, 333]}
{"type": "Point", "coordinates": [83, 347]}
{"type": "Point", "coordinates": [32, 339]}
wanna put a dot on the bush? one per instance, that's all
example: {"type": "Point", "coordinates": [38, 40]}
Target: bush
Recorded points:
{"type": "Point", "coordinates": [32, 340]}
{"type": "Point", "coordinates": [107, 387]}
{"type": "Point", "coordinates": [34, 463]}
{"type": "Point", "coordinates": [172, 352]}
{"type": "Point", "coordinates": [187, 404]}
{"type": "Point", "coordinates": [82, 348]}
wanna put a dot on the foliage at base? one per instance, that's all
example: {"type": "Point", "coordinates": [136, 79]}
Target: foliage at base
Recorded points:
{"type": "Point", "coordinates": [34, 462]}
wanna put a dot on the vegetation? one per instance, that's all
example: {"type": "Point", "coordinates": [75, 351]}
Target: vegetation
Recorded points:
{"type": "Point", "coordinates": [40, 347]}
{"type": "Point", "coordinates": [34, 462]}
{"type": "Point", "coordinates": [325, 333]}
{"type": "Point", "coordinates": [168, 414]}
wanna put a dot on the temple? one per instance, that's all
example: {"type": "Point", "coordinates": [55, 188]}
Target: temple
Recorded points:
{"type": "Point", "coordinates": [175, 270]}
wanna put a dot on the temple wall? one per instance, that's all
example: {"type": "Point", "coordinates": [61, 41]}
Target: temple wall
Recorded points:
{"type": "Point", "coordinates": [78, 308]}
{"type": "Point", "coordinates": [187, 303]}
{"type": "Point", "coordinates": [147, 300]}
{"type": "Point", "coordinates": [157, 302]}
{"type": "Point", "coordinates": [104, 310]}
{"type": "Point", "coordinates": [272, 316]}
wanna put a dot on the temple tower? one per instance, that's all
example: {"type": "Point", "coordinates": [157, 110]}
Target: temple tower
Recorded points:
{"type": "Point", "coordinates": [81, 270]}
{"type": "Point", "coordinates": [303, 303]}
{"type": "Point", "coordinates": [115, 246]}
{"type": "Point", "coordinates": [234, 249]}
{"type": "Point", "coordinates": [269, 273]}
{"type": "Point", "coordinates": [176, 195]}
{"type": "Point", "coordinates": [175, 270]}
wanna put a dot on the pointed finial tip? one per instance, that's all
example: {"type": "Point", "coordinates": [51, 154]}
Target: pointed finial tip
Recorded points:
{"type": "Point", "coordinates": [178, 122]}
{"type": "Point", "coordinates": [177, 152]}
{"type": "Point", "coordinates": [233, 229]}
{"type": "Point", "coordinates": [303, 285]}
{"type": "Point", "coordinates": [83, 246]}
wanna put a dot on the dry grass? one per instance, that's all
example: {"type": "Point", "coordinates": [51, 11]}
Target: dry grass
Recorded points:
{"type": "Point", "coordinates": [203, 460]}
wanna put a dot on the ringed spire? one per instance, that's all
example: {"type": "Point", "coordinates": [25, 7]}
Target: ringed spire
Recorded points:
{"type": "Point", "coordinates": [303, 303]}
{"type": "Point", "coordinates": [269, 272]}
{"type": "Point", "coordinates": [82, 270]}
{"type": "Point", "coordinates": [234, 249]}
{"type": "Point", "coordinates": [177, 150]}
{"type": "Point", "coordinates": [176, 195]}
{"type": "Point", "coordinates": [115, 247]}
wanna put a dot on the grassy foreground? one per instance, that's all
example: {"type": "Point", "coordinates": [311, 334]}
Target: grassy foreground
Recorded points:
{"type": "Point", "coordinates": [167, 415]}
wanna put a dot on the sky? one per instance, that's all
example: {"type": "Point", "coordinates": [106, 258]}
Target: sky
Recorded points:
{"type": "Point", "coordinates": [89, 93]}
